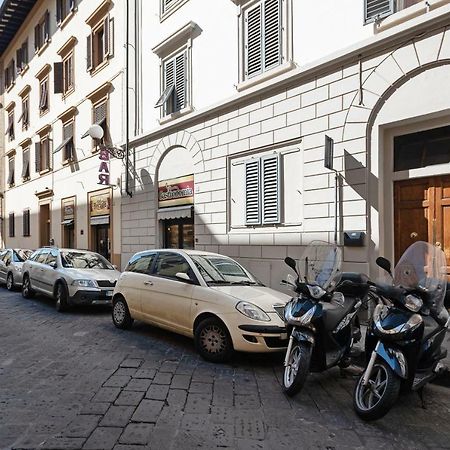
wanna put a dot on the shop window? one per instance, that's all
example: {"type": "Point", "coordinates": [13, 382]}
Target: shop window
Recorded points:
{"type": "Point", "coordinates": [10, 130]}
{"type": "Point", "coordinates": [26, 223]}
{"type": "Point", "coordinates": [44, 103]}
{"type": "Point", "coordinates": [63, 10]}
{"type": "Point", "coordinates": [25, 116]}
{"type": "Point", "coordinates": [11, 222]}
{"type": "Point", "coordinates": [68, 222]}
{"type": "Point", "coordinates": [22, 57]}
{"type": "Point", "coordinates": [375, 10]}
{"type": "Point", "coordinates": [11, 175]}
{"type": "Point", "coordinates": [100, 43]}
{"type": "Point", "coordinates": [26, 164]}
{"type": "Point", "coordinates": [42, 32]}
{"type": "Point", "coordinates": [42, 154]}
{"type": "Point", "coordinates": [10, 74]}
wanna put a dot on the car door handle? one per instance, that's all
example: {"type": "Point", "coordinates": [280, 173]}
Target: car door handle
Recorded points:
{"type": "Point", "coordinates": [148, 283]}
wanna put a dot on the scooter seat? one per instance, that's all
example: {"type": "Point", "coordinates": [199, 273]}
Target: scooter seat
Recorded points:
{"type": "Point", "coordinates": [334, 313]}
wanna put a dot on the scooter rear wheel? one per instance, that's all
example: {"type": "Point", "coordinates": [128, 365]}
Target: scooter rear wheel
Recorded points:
{"type": "Point", "coordinates": [297, 368]}
{"type": "Point", "coordinates": [373, 401]}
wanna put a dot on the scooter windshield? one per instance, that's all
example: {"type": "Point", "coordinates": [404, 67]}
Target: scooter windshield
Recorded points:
{"type": "Point", "coordinates": [423, 267]}
{"type": "Point", "coordinates": [320, 263]}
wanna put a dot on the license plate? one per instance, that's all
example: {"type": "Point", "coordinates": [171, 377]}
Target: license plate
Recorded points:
{"type": "Point", "coordinates": [283, 336]}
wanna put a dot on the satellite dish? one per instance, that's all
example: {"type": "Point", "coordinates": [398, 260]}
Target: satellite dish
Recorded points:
{"type": "Point", "coordinates": [96, 132]}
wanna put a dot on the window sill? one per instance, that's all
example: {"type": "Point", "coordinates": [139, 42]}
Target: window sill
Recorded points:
{"type": "Point", "coordinates": [67, 162]}
{"type": "Point", "coordinates": [66, 19]}
{"type": "Point", "coordinates": [9, 88]}
{"type": "Point", "coordinates": [24, 70]}
{"type": "Point", "coordinates": [98, 68]}
{"type": "Point", "coordinates": [407, 14]}
{"type": "Point", "coordinates": [188, 109]}
{"type": "Point", "coordinates": [270, 74]}
{"type": "Point", "coordinates": [44, 172]}
{"type": "Point", "coordinates": [43, 113]}
{"type": "Point", "coordinates": [69, 91]}
{"type": "Point", "coordinates": [177, 5]}
{"type": "Point", "coordinates": [26, 179]}
{"type": "Point", "coordinates": [44, 46]}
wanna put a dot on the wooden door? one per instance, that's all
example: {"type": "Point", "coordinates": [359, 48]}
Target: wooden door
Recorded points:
{"type": "Point", "coordinates": [443, 216]}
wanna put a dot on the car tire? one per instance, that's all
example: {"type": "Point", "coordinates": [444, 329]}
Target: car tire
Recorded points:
{"type": "Point", "coordinates": [27, 291]}
{"type": "Point", "coordinates": [62, 297]}
{"type": "Point", "coordinates": [213, 341]}
{"type": "Point", "coordinates": [121, 314]}
{"type": "Point", "coordinates": [10, 282]}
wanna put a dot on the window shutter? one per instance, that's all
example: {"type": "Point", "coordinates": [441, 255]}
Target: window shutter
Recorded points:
{"type": "Point", "coordinates": [377, 9]}
{"type": "Point", "coordinates": [11, 171]}
{"type": "Point", "coordinates": [166, 5]}
{"type": "Point", "coordinates": [25, 119]}
{"type": "Point", "coordinates": [270, 168]}
{"type": "Point", "coordinates": [253, 46]}
{"type": "Point", "coordinates": [89, 53]}
{"type": "Point", "coordinates": [13, 70]}
{"type": "Point", "coordinates": [11, 225]}
{"type": "Point", "coordinates": [26, 164]}
{"type": "Point", "coordinates": [169, 80]}
{"type": "Point", "coordinates": [26, 222]}
{"type": "Point", "coordinates": [37, 43]}
{"type": "Point", "coordinates": [47, 27]}
{"type": "Point", "coordinates": [272, 33]}
{"type": "Point", "coordinates": [25, 53]}
{"type": "Point", "coordinates": [180, 81]}
{"type": "Point", "coordinates": [68, 138]}
{"type": "Point", "coordinates": [43, 104]}
{"type": "Point", "coordinates": [252, 192]}
{"type": "Point", "coordinates": [111, 38]}
{"type": "Point", "coordinates": [19, 59]}
{"type": "Point", "coordinates": [58, 77]}
{"type": "Point", "coordinates": [59, 11]}
{"type": "Point", "coordinates": [106, 36]}
{"type": "Point", "coordinates": [37, 156]}
{"type": "Point", "coordinates": [100, 113]}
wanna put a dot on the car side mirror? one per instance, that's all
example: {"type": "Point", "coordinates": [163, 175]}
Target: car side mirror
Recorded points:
{"type": "Point", "coordinates": [53, 265]}
{"type": "Point", "coordinates": [183, 277]}
{"type": "Point", "coordinates": [385, 264]}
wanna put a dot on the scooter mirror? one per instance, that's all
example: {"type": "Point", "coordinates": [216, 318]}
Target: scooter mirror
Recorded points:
{"type": "Point", "coordinates": [291, 263]}
{"type": "Point", "coordinates": [384, 264]}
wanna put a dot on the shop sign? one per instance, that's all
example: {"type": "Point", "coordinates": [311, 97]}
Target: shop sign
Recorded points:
{"type": "Point", "coordinates": [176, 191]}
{"type": "Point", "coordinates": [69, 210]}
{"type": "Point", "coordinates": [103, 170]}
{"type": "Point", "coordinates": [100, 205]}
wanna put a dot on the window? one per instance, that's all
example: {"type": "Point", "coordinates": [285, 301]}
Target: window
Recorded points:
{"type": "Point", "coordinates": [375, 10]}
{"type": "Point", "coordinates": [43, 96]}
{"type": "Point", "coordinates": [167, 6]}
{"type": "Point", "coordinates": [7, 258]}
{"type": "Point", "coordinates": [262, 37]}
{"type": "Point", "coordinates": [10, 129]}
{"type": "Point", "coordinates": [262, 190]}
{"type": "Point", "coordinates": [42, 256]}
{"type": "Point", "coordinates": [42, 154]}
{"type": "Point", "coordinates": [42, 32]}
{"type": "Point", "coordinates": [52, 256]}
{"type": "Point", "coordinates": [26, 164]}
{"type": "Point", "coordinates": [68, 74]}
{"type": "Point", "coordinates": [11, 164]}
{"type": "Point", "coordinates": [100, 43]}
{"type": "Point", "coordinates": [11, 225]}
{"type": "Point", "coordinates": [25, 116]}
{"type": "Point", "coordinates": [22, 57]}
{"type": "Point", "coordinates": [63, 9]}
{"type": "Point", "coordinates": [141, 263]}
{"type": "Point", "coordinates": [67, 145]}
{"type": "Point", "coordinates": [10, 74]}
{"type": "Point", "coordinates": [174, 93]}
{"type": "Point", "coordinates": [169, 264]}
{"type": "Point", "coordinates": [26, 223]}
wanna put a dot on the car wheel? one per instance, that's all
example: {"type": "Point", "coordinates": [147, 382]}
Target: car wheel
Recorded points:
{"type": "Point", "coordinates": [121, 314]}
{"type": "Point", "coordinates": [62, 298]}
{"type": "Point", "coordinates": [27, 291]}
{"type": "Point", "coordinates": [213, 341]}
{"type": "Point", "coordinates": [10, 282]}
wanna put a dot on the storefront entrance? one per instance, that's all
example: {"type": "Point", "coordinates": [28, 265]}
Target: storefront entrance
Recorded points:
{"type": "Point", "coordinates": [101, 240]}
{"type": "Point", "coordinates": [100, 223]}
{"type": "Point", "coordinates": [179, 233]}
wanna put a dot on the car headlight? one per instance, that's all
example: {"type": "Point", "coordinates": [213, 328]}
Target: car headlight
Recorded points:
{"type": "Point", "coordinates": [413, 303]}
{"type": "Point", "coordinates": [84, 283]}
{"type": "Point", "coordinates": [252, 311]}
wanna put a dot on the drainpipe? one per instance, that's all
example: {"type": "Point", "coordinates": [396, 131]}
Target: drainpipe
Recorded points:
{"type": "Point", "coordinates": [127, 103]}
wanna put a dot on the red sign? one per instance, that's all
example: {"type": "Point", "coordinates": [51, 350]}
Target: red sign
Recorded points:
{"type": "Point", "coordinates": [176, 191]}
{"type": "Point", "coordinates": [103, 170]}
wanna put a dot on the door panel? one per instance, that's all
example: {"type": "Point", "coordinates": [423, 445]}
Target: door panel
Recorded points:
{"type": "Point", "coordinates": [443, 217]}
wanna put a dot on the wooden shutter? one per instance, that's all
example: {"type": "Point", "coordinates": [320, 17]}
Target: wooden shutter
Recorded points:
{"type": "Point", "coordinates": [270, 189]}
{"type": "Point", "coordinates": [252, 192]}
{"type": "Point", "coordinates": [106, 36]}
{"type": "Point", "coordinates": [169, 80]}
{"type": "Point", "coordinates": [111, 37]}
{"type": "Point", "coordinates": [26, 164]}
{"type": "Point", "coordinates": [58, 77]}
{"type": "Point", "coordinates": [180, 81]}
{"type": "Point", "coordinates": [100, 113]}
{"type": "Point", "coordinates": [25, 53]}
{"type": "Point", "coordinates": [37, 38]}
{"type": "Point", "coordinates": [37, 156]}
{"type": "Point", "coordinates": [47, 27]}
{"type": "Point", "coordinates": [26, 222]}
{"type": "Point", "coordinates": [272, 33]}
{"type": "Point", "coordinates": [19, 59]}
{"type": "Point", "coordinates": [89, 53]}
{"type": "Point", "coordinates": [377, 9]}
{"type": "Point", "coordinates": [11, 225]}
{"type": "Point", "coordinates": [59, 11]}
{"type": "Point", "coordinates": [68, 139]}
{"type": "Point", "coordinates": [13, 70]}
{"type": "Point", "coordinates": [11, 171]}
{"type": "Point", "coordinates": [253, 44]}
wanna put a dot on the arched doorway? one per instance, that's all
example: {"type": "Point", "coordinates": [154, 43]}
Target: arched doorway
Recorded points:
{"type": "Point", "coordinates": [175, 192]}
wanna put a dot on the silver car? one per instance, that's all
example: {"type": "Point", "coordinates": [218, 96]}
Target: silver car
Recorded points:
{"type": "Point", "coordinates": [71, 277]}
{"type": "Point", "coordinates": [11, 261]}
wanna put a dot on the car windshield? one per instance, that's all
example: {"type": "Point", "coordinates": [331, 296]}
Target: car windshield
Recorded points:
{"type": "Point", "coordinates": [20, 254]}
{"type": "Point", "coordinates": [84, 260]}
{"type": "Point", "coordinates": [217, 270]}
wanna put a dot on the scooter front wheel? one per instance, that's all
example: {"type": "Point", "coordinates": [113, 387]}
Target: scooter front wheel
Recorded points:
{"type": "Point", "coordinates": [374, 400]}
{"type": "Point", "coordinates": [297, 368]}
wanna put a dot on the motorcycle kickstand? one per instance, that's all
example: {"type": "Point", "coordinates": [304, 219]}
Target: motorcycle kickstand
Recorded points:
{"type": "Point", "coordinates": [420, 393]}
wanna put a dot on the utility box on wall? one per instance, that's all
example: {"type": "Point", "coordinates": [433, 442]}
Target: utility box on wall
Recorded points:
{"type": "Point", "coordinates": [354, 238]}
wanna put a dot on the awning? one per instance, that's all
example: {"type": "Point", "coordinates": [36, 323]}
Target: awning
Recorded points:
{"type": "Point", "coordinates": [100, 220]}
{"type": "Point", "coordinates": [67, 222]}
{"type": "Point", "coordinates": [177, 212]}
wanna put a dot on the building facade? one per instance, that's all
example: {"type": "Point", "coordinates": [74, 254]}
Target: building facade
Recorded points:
{"type": "Point", "coordinates": [63, 72]}
{"type": "Point", "coordinates": [230, 109]}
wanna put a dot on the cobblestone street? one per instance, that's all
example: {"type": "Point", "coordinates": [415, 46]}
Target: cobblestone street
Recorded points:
{"type": "Point", "coordinates": [74, 381]}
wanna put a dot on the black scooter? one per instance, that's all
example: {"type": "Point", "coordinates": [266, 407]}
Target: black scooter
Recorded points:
{"type": "Point", "coordinates": [406, 332]}
{"type": "Point", "coordinates": [321, 320]}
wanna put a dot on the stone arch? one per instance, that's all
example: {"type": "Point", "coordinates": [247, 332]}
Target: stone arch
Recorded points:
{"type": "Point", "coordinates": [179, 139]}
{"type": "Point", "coordinates": [399, 66]}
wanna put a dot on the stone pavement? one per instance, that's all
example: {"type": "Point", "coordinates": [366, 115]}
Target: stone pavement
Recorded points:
{"type": "Point", "coordinates": [72, 381]}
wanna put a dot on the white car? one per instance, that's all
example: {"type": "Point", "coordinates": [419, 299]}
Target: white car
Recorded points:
{"type": "Point", "coordinates": [11, 262]}
{"type": "Point", "coordinates": [203, 295]}
{"type": "Point", "coordinates": [71, 277]}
